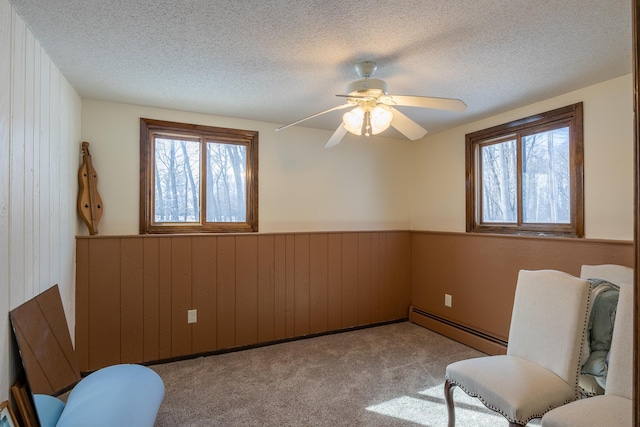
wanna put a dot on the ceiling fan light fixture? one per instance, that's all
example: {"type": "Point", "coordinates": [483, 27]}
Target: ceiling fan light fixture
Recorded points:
{"type": "Point", "coordinates": [372, 108]}
{"type": "Point", "coordinates": [374, 120]}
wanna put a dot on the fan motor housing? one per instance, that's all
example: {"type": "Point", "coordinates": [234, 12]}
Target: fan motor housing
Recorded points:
{"type": "Point", "coordinates": [367, 87]}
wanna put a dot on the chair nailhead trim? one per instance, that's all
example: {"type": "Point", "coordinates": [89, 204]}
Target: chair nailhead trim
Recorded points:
{"type": "Point", "coordinates": [498, 410]}
{"type": "Point", "coordinates": [576, 386]}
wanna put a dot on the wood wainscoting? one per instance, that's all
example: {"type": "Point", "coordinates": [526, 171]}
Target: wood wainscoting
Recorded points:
{"type": "Point", "coordinates": [133, 292]}
{"type": "Point", "coordinates": [480, 272]}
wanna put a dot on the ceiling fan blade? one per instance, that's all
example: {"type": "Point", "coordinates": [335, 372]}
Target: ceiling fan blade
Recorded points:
{"type": "Point", "coordinates": [339, 107]}
{"type": "Point", "coordinates": [406, 126]}
{"type": "Point", "coordinates": [336, 137]}
{"type": "Point", "coordinates": [449, 104]}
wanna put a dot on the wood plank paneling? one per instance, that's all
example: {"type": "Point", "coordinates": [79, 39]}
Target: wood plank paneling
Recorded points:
{"type": "Point", "coordinates": [39, 284]}
{"type": "Point", "coordinates": [388, 274]}
{"type": "Point", "coordinates": [28, 166]}
{"type": "Point", "coordinates": [17, 205]}
{"type": "Point", "coordinates": [204, 298]}
{"type": "Point", "coordinates": [5, 135]}
{"type": "Point", "coordinates": [251, 289]}
{"type": "Point", "coordinates": [376, 279]}
{"type": "Point", "coordinates": [226, 292]}
{"type": "Point", "coordinates": [289, 282]}
{"type": "Point", "coordinates": [334, 285]}
{"type": "Point", "coordinates": [104, 302]}
{"type": "Point", "coordinates": [56, 189]}
{"type": "Point", "coordinates": [364, 278]}
{"type": "Point", "coordinates": [318, 281]}
{"type": "Point", "coordinates": [480, 272]}
{"type": "Point", "coordinates": [131, 300]}
{"type": "Point", "coordinates": [151, 292]}
{"type": "Point", "coordinates": [280, 287]}
{"type": "Point", "coordinates": [37, 214]}
{"type": "Point", "coordinates": [67, 199]}
{"type": "Point", "coordinates": [82, 303]}
{"type": "Point", "coordinates": [349, 280]}
{"type": "Point", "coordinates": [393, 275]}
{"type": "Point", "coordinates": [266, 288]}
{"type": "Point", "coordinates": [403, 251]}
{"type": "Point", "coordinates": [164, 298]}
{"type": "Point", "coordinates": [6, 13]}
{"type": "Point", "coordinates": [44, 208]}
{"type": "Point", "coordinates": [248, 289]}
{"type": "Point", "coordinates": [301, 285]}
{"type": "Point", "coordinates": [180, 296]}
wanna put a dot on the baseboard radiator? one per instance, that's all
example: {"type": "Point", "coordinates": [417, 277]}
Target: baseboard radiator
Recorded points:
{"type": "Point", "coordinates": [464, 334]}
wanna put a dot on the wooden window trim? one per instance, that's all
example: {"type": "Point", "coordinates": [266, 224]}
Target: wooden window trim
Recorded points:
{"type": "Point", "coordinates": [234, 136]}
{"type": "Point", "coordinates": [571, 115]}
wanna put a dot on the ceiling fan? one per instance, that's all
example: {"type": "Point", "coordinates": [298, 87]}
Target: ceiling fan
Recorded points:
{"type": "Point", "coordinates": [373, 108]}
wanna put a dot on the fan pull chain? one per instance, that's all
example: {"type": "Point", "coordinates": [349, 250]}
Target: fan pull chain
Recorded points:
{"type": "Point", "coordinates": [367, 122]}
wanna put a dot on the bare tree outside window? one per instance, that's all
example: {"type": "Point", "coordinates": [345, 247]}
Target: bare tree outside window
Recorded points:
{"type": "Point", "coordinates": [226, 182]}
{"type": "Point", "coordinates": [499, 182]}
{"type": "Point", "coordinates": [526, 176]}
{"type": "Point", "coordinates": [546, 183]}
{"type": "Point", "coordinates": [197, 178]}
{"type": "Point", "coordinates": [177, 180]}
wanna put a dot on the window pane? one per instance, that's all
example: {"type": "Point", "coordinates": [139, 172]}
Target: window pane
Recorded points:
{"type": "Point", "coordinates": [544, 193]}
{"type": "Point", "coordinates": [226, 182]}
{"type": "Point", "coordinates": [499, 182]}
{"type": "Point", "coordinates": [546, 185]}
{"type": "Point", "coordinates": [177, 180]}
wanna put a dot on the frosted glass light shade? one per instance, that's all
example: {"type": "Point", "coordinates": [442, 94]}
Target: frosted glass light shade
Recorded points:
{"type": "Point", "coordinates": [353, 120]}
{"type": "Point", "coordinates": [381, 117]}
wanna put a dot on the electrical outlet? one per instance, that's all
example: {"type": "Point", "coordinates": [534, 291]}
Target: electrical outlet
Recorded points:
{"type": "Point", "coordinates": [447, 300]}
{"type": "Point", "coordinates": [192, 316]}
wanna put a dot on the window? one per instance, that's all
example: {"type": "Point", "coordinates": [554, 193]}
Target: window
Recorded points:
{"type": "Point", "coordinates": [525, 177]}
{"type": "Point", "coordinates": [196, 179]}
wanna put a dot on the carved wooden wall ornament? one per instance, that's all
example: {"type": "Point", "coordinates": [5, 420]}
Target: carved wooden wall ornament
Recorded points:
{"type": "Point", "coordinates": [89, 201]}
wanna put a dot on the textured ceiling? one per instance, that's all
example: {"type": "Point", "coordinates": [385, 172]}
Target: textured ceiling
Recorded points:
{"type": "Point", "coordinates": [280, 60]}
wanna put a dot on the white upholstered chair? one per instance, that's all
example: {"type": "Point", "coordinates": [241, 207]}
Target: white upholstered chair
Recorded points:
{"type": "Point", "coordinates": [614, 273]}
{"type": "Point", "coordinates": [615, 407]}
{"type": "Point", "coordinates": [540, 370]}
{"type": "Point", "coordinates": [618, 275]}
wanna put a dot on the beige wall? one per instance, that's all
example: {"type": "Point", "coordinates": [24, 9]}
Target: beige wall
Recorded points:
{"type": "Point", "coordinates": [365, 184]}
{"type": "Point", "coordinates": [438, 189]}
{"type": "Point", "coordinates": [39, 159]}
{"type": "Point", "coordinates": [361, 184]}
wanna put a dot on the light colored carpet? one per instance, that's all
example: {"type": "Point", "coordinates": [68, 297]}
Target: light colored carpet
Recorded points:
{"type": "Point", "coordinates": [389, 375]}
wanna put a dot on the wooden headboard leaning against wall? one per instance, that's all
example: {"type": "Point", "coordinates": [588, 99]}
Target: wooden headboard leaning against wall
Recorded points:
{"type": "Point", "coordinates": [44, 343]}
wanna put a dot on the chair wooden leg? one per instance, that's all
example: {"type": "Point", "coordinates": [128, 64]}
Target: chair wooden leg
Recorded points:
{"type": "Point", "coordinates": [448, 397]}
